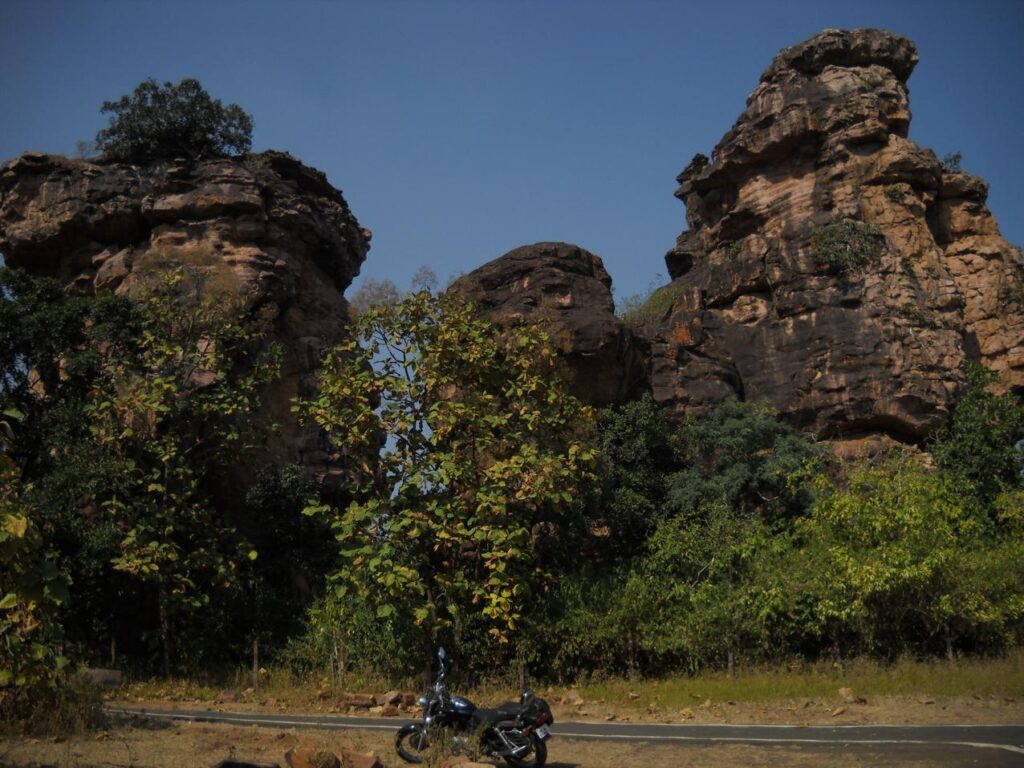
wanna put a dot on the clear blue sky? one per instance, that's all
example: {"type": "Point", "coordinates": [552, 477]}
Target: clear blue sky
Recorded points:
{"type": "Point", "coordinates": [459, 129]}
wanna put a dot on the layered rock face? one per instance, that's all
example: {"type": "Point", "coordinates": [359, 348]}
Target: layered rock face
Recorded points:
{"type": "Point", "coordinates": [267, 228]}
{"type": "Point", "coordinates": [831, 267]}
{"type": "Point", "coordinates": [568, 290]}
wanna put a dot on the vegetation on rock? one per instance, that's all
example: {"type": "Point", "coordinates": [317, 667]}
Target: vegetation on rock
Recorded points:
{"type": "Point", "coordinates": [173, 120]}
{"type": "Point", "coordinates": [846, 245]}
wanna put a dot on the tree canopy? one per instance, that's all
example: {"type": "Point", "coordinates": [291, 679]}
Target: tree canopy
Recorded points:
{"type": "Point", "coordinates": [483, 451]}
{"type": "Point", "coordinates": [170, 120]}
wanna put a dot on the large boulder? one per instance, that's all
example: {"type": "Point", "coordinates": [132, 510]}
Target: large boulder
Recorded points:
{"type": "Point", "coordinates": [264, 227]}
{"type": "Point", "coordinates": [568, 290]}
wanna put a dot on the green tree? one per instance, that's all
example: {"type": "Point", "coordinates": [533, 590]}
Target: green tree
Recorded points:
{"type": "Point", "coordinates": [639, 451]}
{"type": "Point", "coordinates": [49, 342]}
{"type": "Point", "coordinates": [743, 456]}
{"type": "Point", "coordinates": [980, 442]}
{"type": "Point", "coordinates": [908, 563]}
{"type": "Point", "coordinates": [171, 407]}
{"type": "Point", "coordinates": [483, 452]}
{"type": "Point", "coordinates": [31, 592]}
{"type": "Point", "coordinates": [169, 120]}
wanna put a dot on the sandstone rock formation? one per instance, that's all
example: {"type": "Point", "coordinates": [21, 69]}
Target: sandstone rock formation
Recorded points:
{"type": "Point", "coordinates": [831, 266]}
{"type": "Point", "coordinates": [265, 227]}
{"type": "Point", "coordinates": [568, 289]}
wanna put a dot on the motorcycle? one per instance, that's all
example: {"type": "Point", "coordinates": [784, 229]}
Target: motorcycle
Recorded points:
{"type": "Point", "coordinates": [515, 731]}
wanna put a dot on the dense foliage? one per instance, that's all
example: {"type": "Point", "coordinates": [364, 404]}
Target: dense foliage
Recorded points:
{"type": "Point", "coordinates": [482, 452]}
{"type": "Point", "coordinates": [173, 120]}
{"type": "Point", "coordinates": [480, 506]}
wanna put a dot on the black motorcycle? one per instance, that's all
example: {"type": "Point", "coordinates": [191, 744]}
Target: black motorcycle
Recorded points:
{"type": "Point", "coordinates": [516, 731]}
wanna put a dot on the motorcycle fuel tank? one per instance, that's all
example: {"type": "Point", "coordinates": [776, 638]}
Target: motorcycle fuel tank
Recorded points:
{"type": "Point", "coordinates": [462, 706]}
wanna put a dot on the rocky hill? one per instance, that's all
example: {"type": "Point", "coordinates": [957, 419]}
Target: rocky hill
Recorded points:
{"type": "Point", "coordinates": [266, 227]}
{"type": "Point", "coordinates": [830, 266]}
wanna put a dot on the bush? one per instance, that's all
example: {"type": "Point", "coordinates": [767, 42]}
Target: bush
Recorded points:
{"type": "Point", "coordinates": [637, 310]}
{"type": "Point", "coordinates": [951, 162]}
{"type": "Point", "coordinates": [980, 442]}
{"type": "Point", "coordinates": [158, 121]}
{"type": "Point", "coordinates": [846, 245]}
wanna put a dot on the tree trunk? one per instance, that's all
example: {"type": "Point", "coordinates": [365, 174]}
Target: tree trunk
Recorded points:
{"type": "Point", "coordinates": [949, 643]}
{"type": "Point", "coordinates": [255, 664]}
{"type": "Point", "coordinates": [730, 664]}
{"type": "Point", "coordinates": [165, 634]}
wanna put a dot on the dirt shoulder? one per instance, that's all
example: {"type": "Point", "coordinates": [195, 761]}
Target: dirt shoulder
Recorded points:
{"type": "Point", "coordinates": [156, 745]}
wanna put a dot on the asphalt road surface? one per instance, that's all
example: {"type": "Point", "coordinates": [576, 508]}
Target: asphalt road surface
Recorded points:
{"type": "Point", "coordinates": [992, 746]}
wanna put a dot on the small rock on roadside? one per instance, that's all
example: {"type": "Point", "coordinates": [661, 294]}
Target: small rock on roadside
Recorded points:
{"type": "Point", "coordinates": [352, 759]}
{"type": "Point", "coordinates": [360, 700]}
{"type": "Point", "coordinates": [838, 711]}
{"type": "Point", "coordinates": [309, 757]}
{"type": "Point", "coordinates": [227, 697]}
{"type": "Point", "coordinates": [687, 714]}
{"type": "Point", "coordinates": [390, 699]}
{"type": "Point", "coordinates": [847, 696]}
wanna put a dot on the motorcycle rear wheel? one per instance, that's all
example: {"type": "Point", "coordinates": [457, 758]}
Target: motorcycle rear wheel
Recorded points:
{"type": "Point", "coordinates": [535, 758]}
{"type": "Point", "coordinates": [412, 742]}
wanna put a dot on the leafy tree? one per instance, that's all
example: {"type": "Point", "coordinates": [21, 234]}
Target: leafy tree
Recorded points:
{"type": "Point", "coordinates": [483, 451]}
{"type": "Point", "coordinates": [49, 342]}
{"type": "Point", "coordinates": [31, 591]}
{"type": "Point", "coordinates": [743, 456]}
{"type": "Point", "coordinates": [980, 442]}
{"type": "Point", "coordinates": [907, 562]}
{"type": "Point", "coordinates": [170, 406]}
{"type": "Point", "coordinates": [639, 450]}
{"type": "Point", "coordinates": [158, 121]}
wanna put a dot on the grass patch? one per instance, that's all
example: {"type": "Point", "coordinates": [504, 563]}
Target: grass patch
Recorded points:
{"type": "Point", "coordinates": [972, 677]}
{"type": "Point", "coordinates": [279, 683]}
{"type": "Point", "coordinates": [71, 708]}
{"type": "Point", "coordinates": [654, 306]}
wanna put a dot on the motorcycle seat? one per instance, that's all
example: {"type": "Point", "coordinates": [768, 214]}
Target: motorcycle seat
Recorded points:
{"type": "Point", "coordinates": [497, 714]}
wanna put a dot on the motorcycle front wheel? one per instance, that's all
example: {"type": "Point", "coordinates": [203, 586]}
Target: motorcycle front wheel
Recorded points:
{"type": "Point", "coordinates": [412, 742]}
{"type": "Point", "coordinates": [535, 758]}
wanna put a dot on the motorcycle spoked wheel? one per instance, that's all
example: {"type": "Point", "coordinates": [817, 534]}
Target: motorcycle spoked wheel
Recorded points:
{"type": "Point", "coordinates": [412, 742]}
{"type": "Point", "coordinates": [535, 758]}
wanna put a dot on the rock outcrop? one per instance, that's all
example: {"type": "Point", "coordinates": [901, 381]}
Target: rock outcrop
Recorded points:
{"type": "Point", "coordinates": [831, 266]}
{"type": "Point", "coordinates": [568, 290]}
{"type": "Point", "coordinates": [266, 228]}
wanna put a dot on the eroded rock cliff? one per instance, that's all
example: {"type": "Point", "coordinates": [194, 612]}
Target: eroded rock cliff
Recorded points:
{"type": "Point", "coordinates": [265, 227]}
{"type": "Point", "coordinates": [831, 267]}
{"type": "Point", "coordinates": [568, 290]}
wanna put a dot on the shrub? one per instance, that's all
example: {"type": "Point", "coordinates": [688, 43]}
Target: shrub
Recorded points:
{"type": "Point", "coordinates": [979, 443]}
{"type": "Point", "coordinates": [169, 120]}
{"type": "Point", "coordinates": [951, 162]}
{"type": "Point", "coordinates": [894, 193]}
{"type": "Point", "coordinates": [657, 303]}
{"type": "Point", "coordinates": [846, 245]}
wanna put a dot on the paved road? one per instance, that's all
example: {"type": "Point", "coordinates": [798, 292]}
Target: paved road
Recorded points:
{"type": "Point", "coordinates": [991, 745]}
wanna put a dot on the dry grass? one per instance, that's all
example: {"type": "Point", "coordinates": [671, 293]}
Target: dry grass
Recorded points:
{"type": "Point", "coordinates": [965, 678]}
